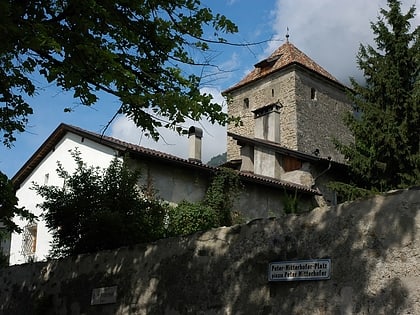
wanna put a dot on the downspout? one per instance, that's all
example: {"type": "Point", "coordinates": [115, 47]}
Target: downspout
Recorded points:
{"type": "Point", "coordinates": [323, 172]}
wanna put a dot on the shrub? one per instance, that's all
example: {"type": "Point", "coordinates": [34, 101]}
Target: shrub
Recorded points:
{"type": "Point", "coordinates": [188, 218]}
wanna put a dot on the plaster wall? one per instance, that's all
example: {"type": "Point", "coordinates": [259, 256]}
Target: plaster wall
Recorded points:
{"type": "Point", "coordinates": [373, 244]}
{"type": "Point", "coordinates": [172, 183]}
{"type": "Point", "coordinates": [266, 163]}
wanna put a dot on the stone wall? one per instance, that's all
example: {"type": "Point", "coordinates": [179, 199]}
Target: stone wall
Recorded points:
{"type": "Point", "coordinates": [373, 244]}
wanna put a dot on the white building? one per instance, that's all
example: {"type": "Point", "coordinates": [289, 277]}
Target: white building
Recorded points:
{"type": "Point", "coordinates": [174, 178]}
{"type": "Point", "coordinates": [33, 243]}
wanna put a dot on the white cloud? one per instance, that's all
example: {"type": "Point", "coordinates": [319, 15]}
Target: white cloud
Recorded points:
{"type": "Point", "coordinates": [329, 31]}
{"type": "Point", "coordinates": [213, 142]}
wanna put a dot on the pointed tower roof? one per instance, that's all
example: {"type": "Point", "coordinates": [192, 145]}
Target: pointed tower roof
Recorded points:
{"type": "Point", "coordinates": [287, 54]}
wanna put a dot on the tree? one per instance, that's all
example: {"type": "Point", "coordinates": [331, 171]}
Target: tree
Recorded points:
{"type": "Point", "coordinates": [386, 152]}
{"type": "Point", "coordinates": [8, 211]}
{"type": "Point", "coordinates": [99, 209]}
{"type": "Point", "coordinates": [9, 208]}
{"type": "Point", "coordinates": [130, 49]}
{"type": "Point", "coordinates": [218, 160]}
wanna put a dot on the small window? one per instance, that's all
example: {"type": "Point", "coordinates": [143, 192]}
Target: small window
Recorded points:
{"type": "Point", "coordinates": [246, 102]}
{"type": "Point", "coordinates": [46, 179]}
{"type": "Point", "coordinates": [29, 241]}
{"type": "Point", "coordinates": [313, 94]}
{"type": "Point", "coordinates": [272, 92]}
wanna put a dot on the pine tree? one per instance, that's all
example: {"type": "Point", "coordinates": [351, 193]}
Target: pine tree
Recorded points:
{"type": "Point", "coordinates": [386, 127]}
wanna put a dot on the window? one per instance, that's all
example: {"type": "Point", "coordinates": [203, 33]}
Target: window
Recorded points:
{"type": "Point", "coordinates": [246, 102]}
{"type": "Point", "coordinates": [29, 241]}
{"type": "Point", "coordinates": [272, 92]}
{"type": "Point", "coordinates": [313, 94]}
{"type": "Point", "coordinates": [46, 178]}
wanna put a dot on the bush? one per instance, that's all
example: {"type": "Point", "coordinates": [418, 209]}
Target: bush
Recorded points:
{"type": "Point", "coordinates": [215, 210]}
{"type": "Point", "coordinates": [100, 209]}
{"type": "Point", "coordinates": [188, 218]}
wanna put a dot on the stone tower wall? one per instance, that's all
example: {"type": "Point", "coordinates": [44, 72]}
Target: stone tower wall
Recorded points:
{"type": "Point", "coordinates": [320, 120]}
{"type": "Point", "coordinates": [277, 87]}
{"type": "Point", "coordinates": [306, 124]}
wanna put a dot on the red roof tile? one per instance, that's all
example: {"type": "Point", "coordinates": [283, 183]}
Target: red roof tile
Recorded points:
{"type": "Point", "coordinates": [286, 55]}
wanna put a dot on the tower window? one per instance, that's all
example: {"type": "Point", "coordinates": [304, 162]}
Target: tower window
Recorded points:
{"type": "Point", "coordinates": [272, 92]}
{"type": "Point", "coordinates": [246, 102]}
{"type": "Point", "coordinates": [313, 94]}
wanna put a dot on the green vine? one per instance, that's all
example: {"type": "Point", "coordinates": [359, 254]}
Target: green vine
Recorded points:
{"type": "Point", "coordinates": [222, 193]}
{"type": "Point", "coordinates": [216, 209]}
{"type": "Point", "coordinates": [290, 202]}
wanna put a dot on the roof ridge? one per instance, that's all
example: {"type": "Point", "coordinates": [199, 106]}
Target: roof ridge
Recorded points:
{"type": "Point", "coordinates": [284, 56]}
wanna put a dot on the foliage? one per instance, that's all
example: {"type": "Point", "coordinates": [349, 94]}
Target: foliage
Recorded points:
{"type": "Point", "coordinates": [187, 218]}
{"type": "Point", "coordinates": [99, 209]}
{"type": "Point", "coordinates": [218, 160]}
{"type": "Point", "coordinates": [4, 260]}
{"type": "Point", "coordinates": [216, 209]}
{"type": "Point", "coordinates": [9, 208]}
{"type": "Point", "coordinates": [349, 192]}
{"type": "Point", "coordinates": [290, 203]}
{"type": "Point", "coordinates": [237, 217]}
{"type": "Point", "coordinates": [8, 211]}
{"type": "Point", "coordinates": [222, 193]}
{"type": "Point", "coordinates": [130, 49]}
{"type": "Point", "coordinates": [386, 151]}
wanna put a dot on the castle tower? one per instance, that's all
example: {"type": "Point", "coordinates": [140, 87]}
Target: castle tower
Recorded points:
{"type": "Point", "coordinates": [312, 104]}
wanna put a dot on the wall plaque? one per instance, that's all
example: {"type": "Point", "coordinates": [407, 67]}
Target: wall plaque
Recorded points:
{"type": "Point", "coordinates": [104, 295]}
{"type": "Point", "coordinates": [297, 270]}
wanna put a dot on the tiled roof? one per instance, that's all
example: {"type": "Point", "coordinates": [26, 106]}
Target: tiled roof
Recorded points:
{"type": "Point", "coordinates": [283, 150]}
{"type": "Point", "coordinates": [286, 55]}
{"type": "Point", "coordinates": [138, 151]}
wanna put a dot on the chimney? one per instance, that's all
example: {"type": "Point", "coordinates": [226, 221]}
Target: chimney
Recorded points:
{"type": "Point", "coordinates": [267, 122]}
{"type": "Point", "coordinates": [194, 137]}
{"type": "Point", "coordinates": [267, 127]}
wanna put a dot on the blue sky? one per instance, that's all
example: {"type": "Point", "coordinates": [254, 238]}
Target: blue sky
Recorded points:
{"type": "Point", "coordinates": [328, 31]}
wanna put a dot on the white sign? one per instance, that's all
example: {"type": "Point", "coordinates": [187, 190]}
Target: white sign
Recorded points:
{"type": "Point", "coordinates": [314, 269]}
{"type": "Point", "coordinates": [104, 295]}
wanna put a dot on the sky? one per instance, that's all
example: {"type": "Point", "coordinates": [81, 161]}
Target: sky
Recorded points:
{"type": "Point", "coordinates": [328, 31]}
